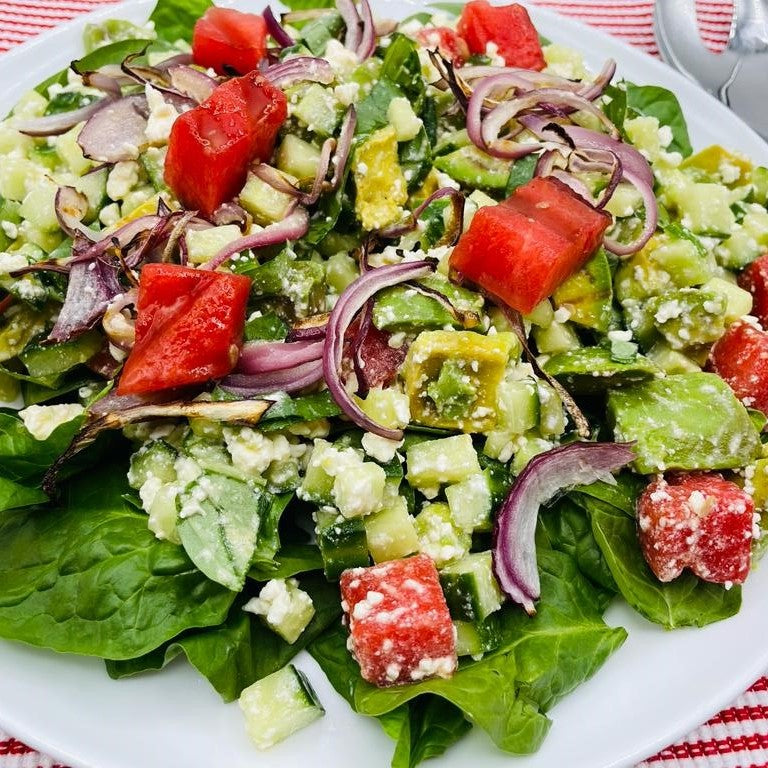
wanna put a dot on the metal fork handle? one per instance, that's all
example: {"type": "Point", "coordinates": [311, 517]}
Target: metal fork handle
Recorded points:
{"type": "Point", "coordinates": [749, 33]}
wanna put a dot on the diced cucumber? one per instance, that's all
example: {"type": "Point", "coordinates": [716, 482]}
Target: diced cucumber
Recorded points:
{"type": "Point", "coordinates": [470, 588]}
{"type": "Point", "coordinates": [528, 446]}
{"type": "Point", "coordinates": [391, 533]}
{"type": "Point", "coordinates": [448, 460]}
{"type": "Point", "coordinates": [747, 241]}
{"type": "Point", "coordinates": [18, 175]}
{"type": "Point", "coordinates": [163, 513]}
{"type": "Point", "coordinates": [204, 244]}
{"type": "Point", "coordinates": [341, 270]}
{"type": "Point", "coordinates": [760, 484]}
{"type": "Point", "coordinates": [474, 168]}
{"type": "Point", "coordinates": [302, 282]}
{"type": "Point", "coordinates": [298, 158]}
{"type": "Point", "coordinates": [439, 537]}
{"type": "Point", "coordinates": [279, 705]}
{"type": "Point", "coordinates": [12, 140]}
{"type": "Point", "coordinates": [318, 110]}
{"type": "Point", "coordinates": [211, 455]}
{"type": "Point", "coordinates": [94, 186]}
{"type": "Point", "coordinates": [388, 406]}
{"type": "Point", "coordinates": [558, 337]}
{"type": "Point", "coordinates": [266, 204]}
{"type": "Point", "coordinates": [284, 607]}
{"type": "Point", "coordinates": [669, 360]}
{"type": "Point", "coordinates": [318, 484]}
{"type": "Point", "coordinates": [475, 639]}
{"type": "Point", "coordinates": [470, 503]}
{"type": "Point", "coordinates": [153, 161]}
{"type": "Point", "coordinates": [738, 301]}
{"type": "Point", "coordinates": [542, 315]}
{"type": "Point", "coordinates": [552, 414]}
{"type": "Point", "coordinates": [518, 406]}
{"type": "Point", "coordinates": [71, 152]}
{"type": "Point", "coordinates": [343, 543]}
{"type": "Point", "coordinates": [38, 206]}
{"type": "Point", "coordinates": [153, 460]}
{"type": "Point", "coordinates": [588, 295]}
{"type": "Point", "coordinates": [44, 154]}
{"type": "Point", "coordinates": [57, 359]}
{"type": "Point", "coordinates": [689, 316]}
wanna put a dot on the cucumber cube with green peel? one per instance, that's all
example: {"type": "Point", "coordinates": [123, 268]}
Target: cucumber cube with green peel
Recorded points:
{"type": "Point", "coordinates": [474, 168]}
{"type": "Point", "coordinates": [298, 158]}
{"type": "Point", "coordinates": [265, 203]}
{"type": "Point", "coordinates": [476, 638]}
{"type": "Point", "coordinates": [689, 317]}
{"type": "Point", "coordinates": [204, 244]}
{"type": "Point", "coordinates": [318, 110]}
{"type": "Point", "coordinates": [278, 705]}
{"type": "Point", "coordinates": [155, 459]}
{"type": "Point", "coordinates": [588, 295]}
{"type": "Point", "coordinates": [738, 302]}
{"type": "Point", "coordinates": [688, 421]}
{"type": "Point", "coordinates": [470, 587]}
{"type": "Point", "coordinates": [284, 607]}
{"type": "Point", "coordinates": [391, 533]}
{"type": "Point", "coordinates": [342, 542]}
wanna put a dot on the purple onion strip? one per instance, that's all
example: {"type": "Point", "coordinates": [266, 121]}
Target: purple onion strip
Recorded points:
{"type": "Point", "coordinates": [514, 546]}
{"type": "Point", "coordinates": [266, 357]}
{"type": "Point", "coordinates": [351, 17]}
{"type": "Point", "coordinates": [351, 301]}
{"type": "Point", "coordinates": [279, 35]}
{"type": "Point", "coordinates": [284, 380]}
{"type": "Point", "coordinates": [54, 125]}
{"type": "Point", "coordinates": [368, 38]}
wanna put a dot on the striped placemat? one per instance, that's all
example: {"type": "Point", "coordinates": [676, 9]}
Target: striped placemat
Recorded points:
{"type": "Point", "coordinates": [738, 736]}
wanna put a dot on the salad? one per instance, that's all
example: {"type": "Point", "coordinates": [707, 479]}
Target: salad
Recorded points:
{"type": "Point", "coordinates": [412, 344]}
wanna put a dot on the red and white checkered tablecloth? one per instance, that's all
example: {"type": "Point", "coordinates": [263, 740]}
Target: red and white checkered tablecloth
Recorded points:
{"type": "Point", "coordinates": [738, 736]}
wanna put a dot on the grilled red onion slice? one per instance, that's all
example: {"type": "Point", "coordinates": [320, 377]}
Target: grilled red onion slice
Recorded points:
{"type": "Point", "coordinates": [351, 301]}
{"type": "Point", "coordinates": [351, 17]}
{"type": "Point", "coordinates": [368, 38]}
{"type": "Point", "coordinates": [264, 357]}
{"type": "Point", "coordinates": [284, 380]}
{"type": "Point", "coordinates": [514, 547]}
{"type": "Point", "coordinates": [593, 90]}
{"type": "Point", "coordinates": [279, 35]}
{"type": "Point", "coordinates": [292, 227]}
{"type": "Point", "coordinates": [120, 238]}
{"type": "Point", "coordinates": [191, 82]}
{"type": "Point", "coordinates": [311, 329]}
{"type": "Point", "coordinates": [323, 164]}
{"type": "Point", "coordinates": [90, 289]}
{"type": "Point", "coordinates": [116, 131]}
{"type": "Point", "coordinates": [54, 125]}
{"type": "Point", "coordinates": [231, 213]}
{"type": "Point", "coordinates": [109, 83]}
{"type": "Point", "coordinates": [298, 69]}
{"type": "Point", "coordinates": [275, 179]}
{"type": "Point", "coordinates": [71, 206]}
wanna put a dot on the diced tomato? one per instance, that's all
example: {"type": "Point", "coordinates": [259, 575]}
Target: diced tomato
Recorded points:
{"type": "Point", "coordinates": [755, 280]}
{"type": "Point", "coordinates": [229, 41]}
{"type": "Point", "coordinates": [399, 624]}
{"type": "Point", "coordinates": [188, 329]}
{"type": "Point", "coordinates": [446, 41]}
{"type": "Point", "coordinates": [507, 26]}
{"type": "Point", "coordinates": [740, 357]}
{"type": "Point", "coordinates": [524, 248]}
{"type": "Point", "coordinates": [212, 145]}
{"type": "Point", "coordinates": [699, 521]}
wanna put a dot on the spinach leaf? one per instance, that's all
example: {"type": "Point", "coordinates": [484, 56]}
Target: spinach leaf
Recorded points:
{"type": "Point", "coordinates": [616, 107]}
{"type": "Point", "coordinates": [568, 529]}
{"type": "Point", "coordinates": [301, 5]}
{"type": "Point", "coordinates": [220, 532]}
{"type": "Point", "coordinates": [318, 32]}
{"type": "Point", "coordinates": [22, 457]}
{"type": "Point", "coordinates": [290, 410]}
{"type": "Point", "coordinates": [15, 496]}
{"type": "Point", "coordinates": [327, 215]}
{"type": "Point", "coordinates": [402, 68]}
{"type": "Point", "coordinates": [686, 601]}
{"type": "Point", "coordinates": [424, 728]}
{"type": "Point", "coordinates": [289, 560]}
{"type": "Point", "coordinates": [268, 539]}
{"type": "Point", "coordinates": [175, 19]}
{"type": "Point", "coordinates": [415, 158]}
{"type": "Point", "coordinates": [520, 173]}
{"type": "Point", "coordinates": [73, 578]}
{"type": "Point", "coordinates": [372, 110]}
{"type": "Point", "coordinates": [658, 102]}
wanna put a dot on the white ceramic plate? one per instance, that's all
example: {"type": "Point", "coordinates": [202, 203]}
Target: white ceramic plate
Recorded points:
{"type": "Point", "coordinates": [653, 690]}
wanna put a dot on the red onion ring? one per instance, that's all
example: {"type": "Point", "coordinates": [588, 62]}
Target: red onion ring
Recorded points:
{"type": "Point", "coordinates": [299, 69]}
{"type": "Point", "coordinates": [368, 38]}
{"type": "Point", "coordinates": [279, 35]}
{"type": "Point", "coordinates": [323, 164]}
{"type": "Point", "coordinates": [397, 230]}
{"type": "Point", "coordinates": [352, 21]}
{"type": "Point", "coordinates": [292, 227]}
{"type": "Point", "coordinates": [514, 546]}
{"type": "Point", "coordinates": [651, 218]}
{"type": "Point", "coordinates": [266, 357]}
{"type": "Point", "coordinates": [284, 380]}
{"type": "Point", "coordinates": [344, 146]}
{"type": "Point", "coordinates": [191, 82]}
{"type": "Point", "coordinates": [116, 131]}
{"type": "Point", "coordinates": [351, 301]}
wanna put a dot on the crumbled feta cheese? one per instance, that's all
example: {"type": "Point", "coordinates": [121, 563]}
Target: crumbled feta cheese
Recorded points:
{"type": "Point", "coordinates": [123, 177]}
{"type": "Point", "coordinates": [380, 448]}
{"type": "Point", "coordinates": [342, 60]}
{"type": "Point", "coordinates": [403, 119]}
{"type": "Point", "coordinates": [42, 420]}
{"type": "Point", "coordinates": [12, 261]}
{"type": "Point", "coordinates": [10, 229]}
{"type": "Point", "coordinates": [562, 315]}
{"type": "Point", "coordinates": [492, 52]}
{"type": "Point", "coordinates": [162, 116]}
{"type": "Point", "coordinates": [347, 93]}
{"type": "Point", "coordinates": [281, 599]}
{"type": "Point", "coordinates": [109, 215]}
{"type": "Point", "coordinates": [252, 452]}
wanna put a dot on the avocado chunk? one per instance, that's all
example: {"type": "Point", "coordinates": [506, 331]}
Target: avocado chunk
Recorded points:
{"type": "Point", "coordinates": [594, 369]}
{"type": "Point", "coordinates": [452, 378]}
{"type": "Point", "coordinates": [406, 309]}
{"type": "Point", "coordinates": [301, 282]}
{"type": "Point", "coordinates": [687, 421]}
{"type": "Point", "coordinates": [474, 168]}
{"type": "Point", "coordinates": [689, 317]}
{"type": "Point", "coordinates": [588, 295]}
